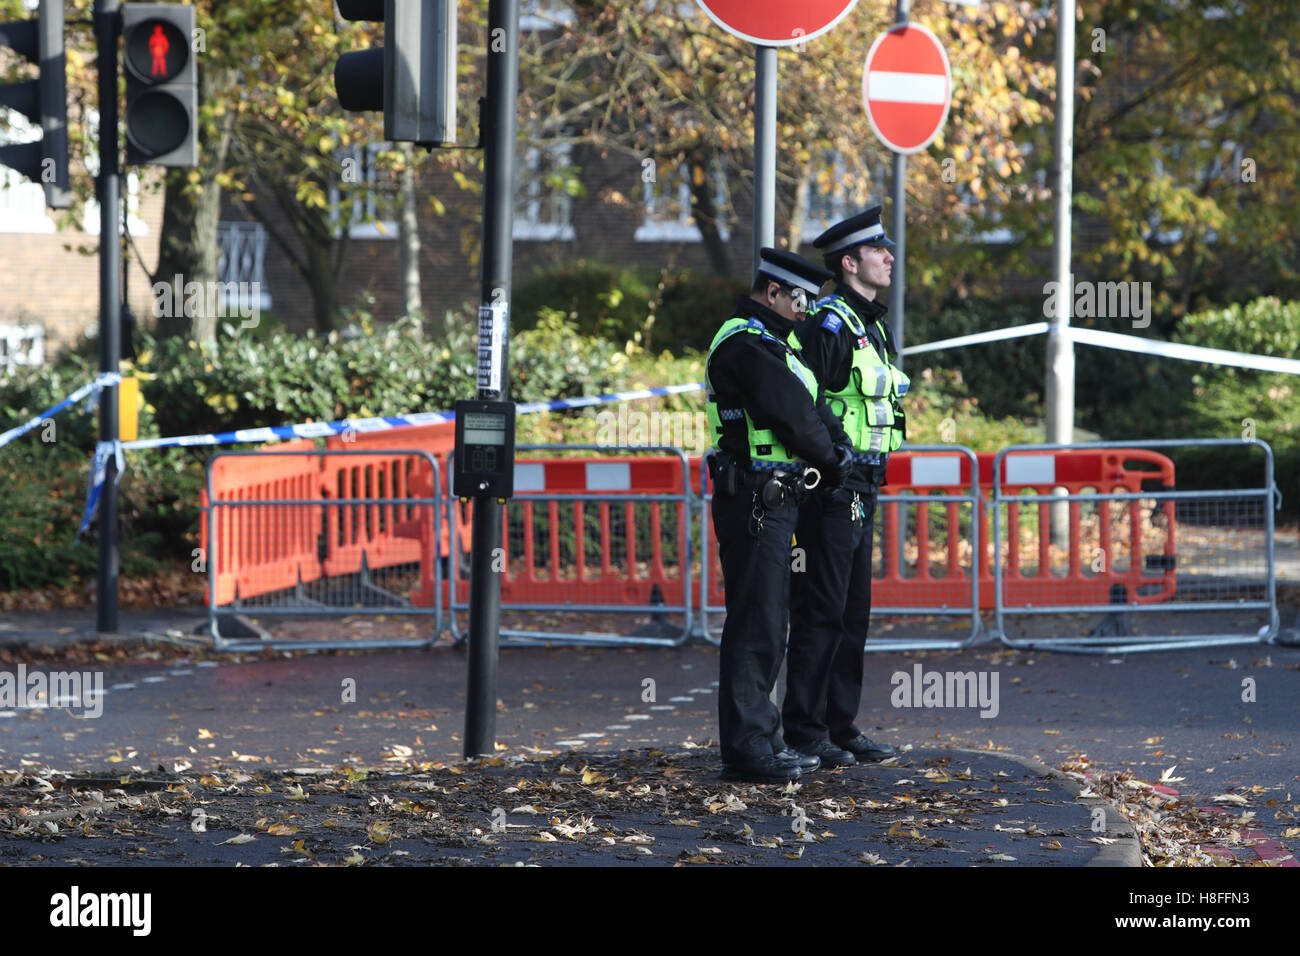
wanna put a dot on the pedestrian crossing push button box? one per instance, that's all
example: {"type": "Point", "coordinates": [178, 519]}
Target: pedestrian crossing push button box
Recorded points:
{"type": "Point", "coordinates": [485, 450]}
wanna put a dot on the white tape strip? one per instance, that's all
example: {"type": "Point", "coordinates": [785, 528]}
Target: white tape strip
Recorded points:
{"type": "Point", "coordinates": [609, 476]}
{"type": "Point", "coordinates": [1190, 353]}
{"type": "Point", "coordinates": [996, 335]}
{"type": "Point", "coordinates": [930, 471]}
{"type": "Point", "coordinates": [530, 476]}
{"type": "Point", "coordinates": [1125, 343]}
{"type": "Point", "coordinates": [1030, 469]}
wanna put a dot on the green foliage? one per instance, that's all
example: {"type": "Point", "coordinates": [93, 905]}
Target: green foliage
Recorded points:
{"type": "Point", "coordinates": [1006, 376]}
{"type": "Point", "coordinates": [648, 308]}
{"type": "Point", "coordinates": [1189, 400]}
{"type": "Point", "coordinates": [245, 382]}
{"type": "Point", "coordinates": [42, 494]}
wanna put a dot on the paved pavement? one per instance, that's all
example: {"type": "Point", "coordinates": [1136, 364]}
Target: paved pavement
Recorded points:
{"type": "Point", "coordinates": [959, 795]}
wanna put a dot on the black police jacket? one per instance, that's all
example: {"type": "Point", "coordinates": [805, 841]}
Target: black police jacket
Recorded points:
{"type": "Point", "coordinates": [750, 372]}
{"type": "Point", "coordinates": [829, 354]}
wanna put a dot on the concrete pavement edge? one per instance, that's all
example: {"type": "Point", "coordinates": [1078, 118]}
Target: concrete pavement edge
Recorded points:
{"type": "Point", "coordinates": [1127, 848]}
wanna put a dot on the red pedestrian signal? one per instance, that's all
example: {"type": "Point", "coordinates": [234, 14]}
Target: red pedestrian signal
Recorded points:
{"type": "Point", "coordinates": [158, 46]}
{"type": "Point", "coordinates": [156, 50]}
{"type": "Point", "coordinates": [161, 84]}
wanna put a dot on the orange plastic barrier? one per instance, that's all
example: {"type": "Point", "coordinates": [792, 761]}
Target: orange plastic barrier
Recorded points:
{"type": "Point", "coordinates": [609, 553]}
{"type": "Point", "coordinates": [388, 535]}
{"type": "Point", "coordinates": [558, 554]}
{"type": "Point", "coordinates": [263, 549]}
{"type": "Point", "coordinates": [1122, 546]}
{"type": "Point", "coordinates": [1029, 578]}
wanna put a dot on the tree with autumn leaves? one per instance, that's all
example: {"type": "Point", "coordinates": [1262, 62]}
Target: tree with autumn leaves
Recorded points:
{"type": "Point", "coordinates": [1185, 143]}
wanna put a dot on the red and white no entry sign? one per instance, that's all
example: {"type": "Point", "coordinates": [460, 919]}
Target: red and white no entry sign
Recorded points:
{"type": "Point", "coordinates": [907, 87]}
{"type": "Point", "coordinates": [776, 22]}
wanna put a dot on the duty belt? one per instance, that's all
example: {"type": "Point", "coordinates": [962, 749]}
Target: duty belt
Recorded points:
{"type": "Point", "coordinates": [798, 467]}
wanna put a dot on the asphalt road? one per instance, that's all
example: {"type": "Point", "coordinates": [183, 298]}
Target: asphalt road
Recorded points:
{"type": "Point", "coordinates": [1147, 712]}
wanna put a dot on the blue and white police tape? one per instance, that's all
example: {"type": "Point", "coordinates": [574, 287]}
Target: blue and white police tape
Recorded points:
{"type": "Point", "coordinates": [1190, 353]}
{"type": "Point", "coordinates": [1126, 343]}
{"type": "Point", "coordinates": [979, 338]}
{"type": "Point", "coordinates": [322, 429]}
{"type": "Point", "coordinates": [98, 474]}
{"type": "Point", "coordinates": [307, 430]}
{"type": "Point", "coordinates": [104, 380]}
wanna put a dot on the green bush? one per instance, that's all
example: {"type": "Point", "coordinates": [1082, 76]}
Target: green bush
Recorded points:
{"type": "Point", "coordinates": [244, 382]}
{"type": "Point", "coordinates": [650, 308]}
{"type": "Point", "coordinates": [601, 299]}
{"type": "Point", "coordinates": [42, 494]}
{"type": "Point", "coordinates": [1224, 402]}
{"type": "Point", "coordinates": [1008, 377]}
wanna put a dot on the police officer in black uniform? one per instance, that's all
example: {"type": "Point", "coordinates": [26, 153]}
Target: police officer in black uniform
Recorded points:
{"type": "Point", "coordinates": [848, 346]}
{"type": "Point", "coordinates": [768, 429]}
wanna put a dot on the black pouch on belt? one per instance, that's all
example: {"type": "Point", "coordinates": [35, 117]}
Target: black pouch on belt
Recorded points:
{"type": "Point", "coordinates": [726, 476]}
{"type": "Point", "coordinates": [773, 493]}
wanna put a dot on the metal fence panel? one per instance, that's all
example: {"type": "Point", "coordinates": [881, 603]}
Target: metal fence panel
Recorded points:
{"type": "Point", "coordinates": [323, 534]}
{"type": "Point", "coordinates": [1164, 568]}
{"type": "Point", "coordinates": [924, 548]}
{"type": "Point", "coordinates": [587, 538]}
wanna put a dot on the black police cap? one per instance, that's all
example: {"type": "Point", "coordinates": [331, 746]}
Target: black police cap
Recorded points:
{"type": "Point", "coordinates": [793, 270]}
{"type": "Point", "coordinates": [863, 229]}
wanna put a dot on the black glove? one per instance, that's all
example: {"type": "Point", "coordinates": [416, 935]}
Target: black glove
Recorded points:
{"type": "Point", "coordinates": [839, 474]}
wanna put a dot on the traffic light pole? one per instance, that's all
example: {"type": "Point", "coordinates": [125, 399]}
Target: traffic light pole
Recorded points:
{"type": "Point", "coordinates": [498, 228]}
{"type": "Point", "coordinates": [899, 184]}
{"type": "Point", "coordinates": [108, 26]}
{"type": "Point", "coordinates": [765, 77]}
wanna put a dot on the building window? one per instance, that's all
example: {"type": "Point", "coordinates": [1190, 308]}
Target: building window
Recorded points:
{"type": "Point", "coordinates": [243, 259]}
{"type": "Point", "coordinates": [544, 202]}
{"type": "Point", "coordinates": [21, 345]}
{"type": "Point", "coordinates": [372, 212]}
{"type": "Point", "coordinates": [22, 202]}
{"type": "Point", "coordinates": [90, 213]}
{"type": "Point", "coordinates": [835, 192]}
{"type": "Point", "coordinates": [667, 202]}
{"type": "Point", "coordinates": [539, 15]}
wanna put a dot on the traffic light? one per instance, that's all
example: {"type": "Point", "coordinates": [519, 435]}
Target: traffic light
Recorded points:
{"type": "Point", "coordinates": [412, 78]}
{"type": "Point", "coordinates": [43, 101]}
{"type": "Point", "coordinates": [162, 98]}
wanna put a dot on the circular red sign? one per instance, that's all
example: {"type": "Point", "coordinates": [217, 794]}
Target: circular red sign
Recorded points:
{"type": "Point", "coordinates": [776, 22]}
{"type": "Point", "coordinates": [907, 87]}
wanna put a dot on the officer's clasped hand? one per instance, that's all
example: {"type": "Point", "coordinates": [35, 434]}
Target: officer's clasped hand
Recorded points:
{"type": "Point", "coordinates": [836, 476]}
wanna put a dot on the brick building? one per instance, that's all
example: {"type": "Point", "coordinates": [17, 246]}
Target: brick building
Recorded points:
{"type": "Point", "coordinates": [51, 299]}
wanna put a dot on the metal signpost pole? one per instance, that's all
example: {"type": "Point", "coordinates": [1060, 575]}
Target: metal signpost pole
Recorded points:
{"type": "Point", "coordinates": [493, 383]}
{"type": "Point", "coordinates": [765, 64]}
{"type": "Point", "coordinates": [108, 26]}
{"type": "Point", "coordinates": [900, 225]}
{"type": "Point", "coordinates": [1060, 348]}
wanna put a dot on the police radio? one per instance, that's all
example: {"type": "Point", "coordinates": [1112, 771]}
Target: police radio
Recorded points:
{"type": "Point", "coordinates": [485, 450]}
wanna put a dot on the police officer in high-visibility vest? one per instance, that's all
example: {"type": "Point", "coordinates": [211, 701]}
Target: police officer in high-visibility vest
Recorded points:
{"type": "Point", "coordinates": [772, 439]}
{"type": "Point", "coordinates": [848, 346]}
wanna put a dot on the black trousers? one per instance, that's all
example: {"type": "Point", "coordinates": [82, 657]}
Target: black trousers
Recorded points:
{"type": "Point", "coordinates": [830, 610]}
{"type": "Point", "coordinates": [756, 576]}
